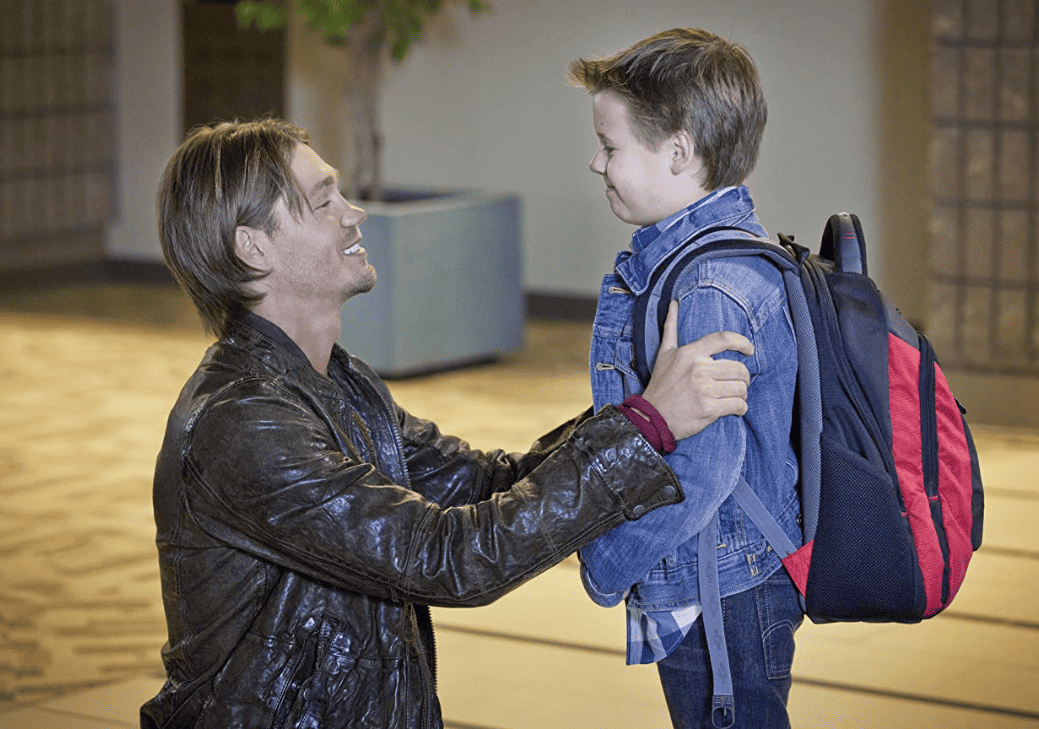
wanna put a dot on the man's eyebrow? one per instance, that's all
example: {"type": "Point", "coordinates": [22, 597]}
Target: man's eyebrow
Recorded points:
{"type": "Point", "coordinates": [328, 182]}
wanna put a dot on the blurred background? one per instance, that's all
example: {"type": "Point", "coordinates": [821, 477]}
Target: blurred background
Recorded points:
{"type": "Point", "coordinates": [921, 117]}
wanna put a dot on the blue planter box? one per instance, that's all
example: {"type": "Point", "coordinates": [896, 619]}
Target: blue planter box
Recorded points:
{"type": "Point", "coordinates": [449, 289]}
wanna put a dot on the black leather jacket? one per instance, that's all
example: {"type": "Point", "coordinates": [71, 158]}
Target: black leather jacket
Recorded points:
{"type": "Point", "coordinates": [305, 524]}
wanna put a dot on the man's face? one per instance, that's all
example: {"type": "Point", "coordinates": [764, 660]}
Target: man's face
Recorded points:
{"type": "Point", "coordinates": [638, 179]}
{"type": "Point", "coordinates": [317, 257]}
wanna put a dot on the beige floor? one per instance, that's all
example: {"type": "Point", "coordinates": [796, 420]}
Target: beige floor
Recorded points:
{"type": "Point", "coordinates": [87, 376]}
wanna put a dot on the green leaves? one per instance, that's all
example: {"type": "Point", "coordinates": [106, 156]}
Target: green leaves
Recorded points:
{"type": "Point", "coordinates": [398, 23]}
{"type": "Point", "coordinates": [264, 14]}
{"type": "Point", "coordinates": [404, 22]}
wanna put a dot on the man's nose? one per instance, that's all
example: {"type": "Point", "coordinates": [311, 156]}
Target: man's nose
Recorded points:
{"type": "Point", "coordinates": [353, 215]}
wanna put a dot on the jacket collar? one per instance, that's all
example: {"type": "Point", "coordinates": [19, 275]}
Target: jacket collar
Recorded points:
{"type": "Point", "coordinates": [727, 206]}
{"type": "Point", "coordinates": [266, 341]}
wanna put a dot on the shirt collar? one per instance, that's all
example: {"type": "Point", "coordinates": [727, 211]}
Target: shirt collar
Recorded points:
{"type": "Point", "coordinates": [643, 237]}
{"type": "Point", "coordinates": [650, 245]}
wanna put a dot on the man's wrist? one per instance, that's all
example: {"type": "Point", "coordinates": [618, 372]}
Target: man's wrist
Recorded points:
{"type": "Point", "coordinates": [649, 422]}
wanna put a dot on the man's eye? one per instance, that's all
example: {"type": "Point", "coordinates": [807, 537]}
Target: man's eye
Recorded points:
{"type": "Point", "coordinates": [325, 204]}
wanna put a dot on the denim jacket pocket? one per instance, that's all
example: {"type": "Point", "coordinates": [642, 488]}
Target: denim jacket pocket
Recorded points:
{"type": "Point", "coordinates": [672, 585]}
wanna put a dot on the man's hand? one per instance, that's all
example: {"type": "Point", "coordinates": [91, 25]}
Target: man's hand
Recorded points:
{"type": "Point", "coordinates": [688, 387]}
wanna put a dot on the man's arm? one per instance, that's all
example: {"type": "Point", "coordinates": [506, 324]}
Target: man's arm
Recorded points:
{"type": "Point", "coordinates": [267, 476]}
{"type": "Point", "coordinates": [689, 388]}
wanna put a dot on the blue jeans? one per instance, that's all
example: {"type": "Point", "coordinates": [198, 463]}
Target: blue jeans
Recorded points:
{"type": "Point", "coordinates": [759, 632]}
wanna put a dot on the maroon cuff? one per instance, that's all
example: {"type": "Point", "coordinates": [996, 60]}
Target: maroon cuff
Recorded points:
{"type": "Point", "coordinates": [648, 430]}
{"type": "Point", "coordinates": [655, 430]}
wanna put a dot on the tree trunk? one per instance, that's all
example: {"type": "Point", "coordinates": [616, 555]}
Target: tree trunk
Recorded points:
{"type": "Point", "coordinates": [362, 86]}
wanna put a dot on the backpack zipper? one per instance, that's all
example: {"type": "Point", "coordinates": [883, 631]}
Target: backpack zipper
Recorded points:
{"type": "Point", "coordinates": [929, 446]}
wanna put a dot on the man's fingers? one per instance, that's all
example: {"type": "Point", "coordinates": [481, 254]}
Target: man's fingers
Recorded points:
{"type": "Point", "coordinates": [669, 339]}
{"type": "Point", "coordinates": [730, 406]}
{"type": "Point", "coordinates": [728, 369]}
{"type": "Point", "coordinates": [717, 342]}
{"type": "Point", "coordinates": [689, 388]}
{"type": "Point", "coordinates": [732, 387]}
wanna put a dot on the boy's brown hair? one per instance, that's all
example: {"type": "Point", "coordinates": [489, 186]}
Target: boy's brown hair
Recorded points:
{"type": "Point", "coordinates": [221, 177]}
{"type": "Point", "coordinates": [690, 79]}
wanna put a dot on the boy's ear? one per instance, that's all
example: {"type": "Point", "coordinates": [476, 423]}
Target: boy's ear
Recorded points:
{"type": "Point", "coordinates": [250, 245]}
{"type": "Point", "coordinates": [683, 153]}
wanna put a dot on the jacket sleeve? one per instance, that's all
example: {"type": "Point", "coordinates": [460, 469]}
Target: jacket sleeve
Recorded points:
{"type": "Point", "coordinates": [266, 475]}
{"type": "Point", "coordinates": [709, 464]}
{"type": "Point", "coordinates": [446, 470]}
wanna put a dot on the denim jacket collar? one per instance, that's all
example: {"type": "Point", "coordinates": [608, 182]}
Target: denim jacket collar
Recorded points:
{"type": "Point", "coordinates": [650, 245]}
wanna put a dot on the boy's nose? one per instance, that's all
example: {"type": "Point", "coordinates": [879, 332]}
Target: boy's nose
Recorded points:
{"type": "Point", "coordinates": [596, 164]}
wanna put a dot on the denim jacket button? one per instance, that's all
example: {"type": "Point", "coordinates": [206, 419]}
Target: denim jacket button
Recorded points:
{"type": "Point", "coordinates": [670, 491]}
{"type": "Point", "coordinates": [639, 510]}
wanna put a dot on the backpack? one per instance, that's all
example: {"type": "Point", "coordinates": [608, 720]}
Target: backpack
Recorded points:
{"type": "Point", "coordinates": [890, 488]}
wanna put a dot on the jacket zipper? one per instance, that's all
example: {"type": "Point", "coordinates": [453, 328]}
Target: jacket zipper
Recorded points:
{"type": "Point", "coordinates": [422, 613]}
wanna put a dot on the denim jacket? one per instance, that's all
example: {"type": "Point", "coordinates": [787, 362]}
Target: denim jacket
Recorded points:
{"type": "Point", "coordinates": [654, 561]}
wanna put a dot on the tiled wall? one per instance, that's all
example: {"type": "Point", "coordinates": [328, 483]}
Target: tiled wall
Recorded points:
{"type": "Point", "coordinates": [984, 157]}
{"type": "Point", "coordinates": [56, 130]}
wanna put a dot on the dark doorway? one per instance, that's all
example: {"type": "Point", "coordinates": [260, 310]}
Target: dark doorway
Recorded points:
{"type": "Point", "coordinates": [229, 72]}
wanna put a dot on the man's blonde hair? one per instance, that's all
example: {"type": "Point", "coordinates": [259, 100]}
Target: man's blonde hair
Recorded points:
{"type": "Point", "coordinates": [221, 177]}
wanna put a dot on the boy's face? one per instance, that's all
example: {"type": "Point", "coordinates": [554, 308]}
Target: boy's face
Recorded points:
{"type": "Point", "coordinates": [640, 181]}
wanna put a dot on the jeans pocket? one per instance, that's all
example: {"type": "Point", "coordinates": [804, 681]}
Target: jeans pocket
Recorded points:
{"type": "Point", "coordinates": [779, 613]}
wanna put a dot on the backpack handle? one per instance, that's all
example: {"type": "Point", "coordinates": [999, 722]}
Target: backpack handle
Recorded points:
{"type": "Point", "coordinates": [844, 244]}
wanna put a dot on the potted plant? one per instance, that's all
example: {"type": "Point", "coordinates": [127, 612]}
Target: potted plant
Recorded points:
{"type": "Point", "coordinates": [449, 290]}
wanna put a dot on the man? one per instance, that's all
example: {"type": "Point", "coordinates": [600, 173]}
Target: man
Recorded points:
{"type": "Point", "coordinates": [305, 522]}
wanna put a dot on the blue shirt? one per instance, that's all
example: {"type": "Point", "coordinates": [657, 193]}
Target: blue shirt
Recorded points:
{"type": "Point", "coordinates": [653, 561]}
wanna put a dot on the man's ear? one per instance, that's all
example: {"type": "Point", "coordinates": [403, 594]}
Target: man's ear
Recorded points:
{"type": "Point", "coordinates": [683, 153]}
{"type": "Point", "coordinates": [249, 246]}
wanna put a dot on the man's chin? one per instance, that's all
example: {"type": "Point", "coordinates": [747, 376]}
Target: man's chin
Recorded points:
{"type": "Point", "coordinates": [370, 279]}
{"type": "Point", "coordinates": [363, 285]}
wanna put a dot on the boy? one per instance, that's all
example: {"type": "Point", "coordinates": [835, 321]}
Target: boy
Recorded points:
{"type": "Point", "coordinates": [679, 118]}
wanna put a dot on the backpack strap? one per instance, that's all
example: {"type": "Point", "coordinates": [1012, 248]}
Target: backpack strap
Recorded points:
{"type": "Point", "coordinates": [789, 258]}
{"type": "Point", "coordinates": [809, 388]}
{"type": "Point", "coordinates": [723, 703]}
{"type": "Point", "coordinates": [655, 300]}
